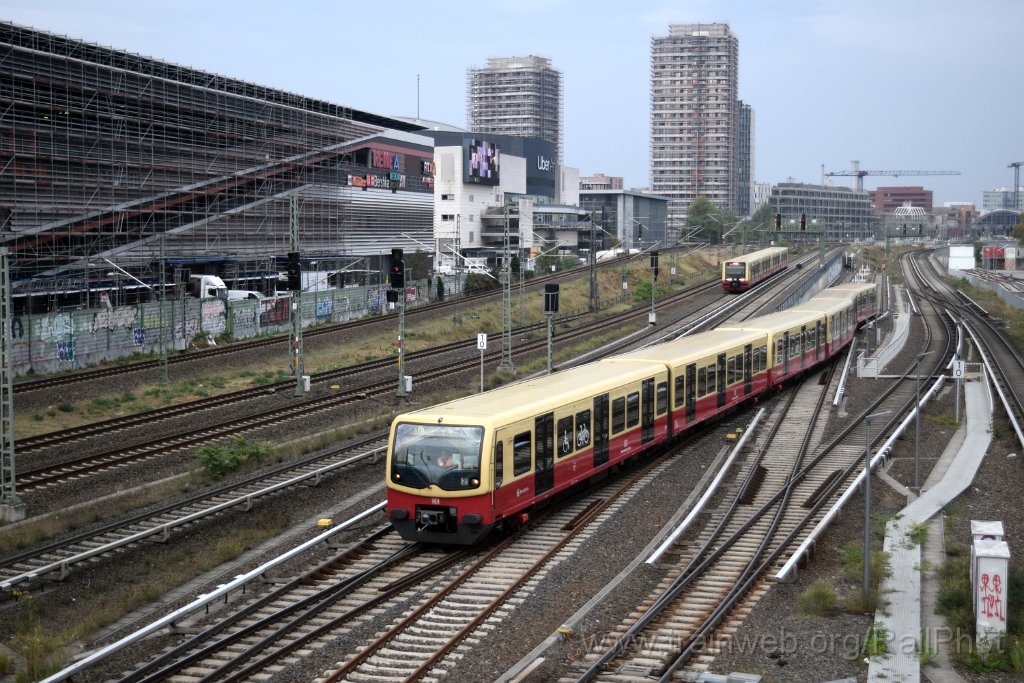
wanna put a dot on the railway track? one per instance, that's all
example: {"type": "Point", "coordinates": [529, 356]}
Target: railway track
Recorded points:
{"type": "Point", "coordinates": [444, 597]}
{"type": "Point", "coordinates": [1006, 359]}
{"type": "Point", "coordinates": [55, 559]}
{"type": "Point", "coordinates": [716, 579]}
{"type": "Point", "coordinates": [34, 479]}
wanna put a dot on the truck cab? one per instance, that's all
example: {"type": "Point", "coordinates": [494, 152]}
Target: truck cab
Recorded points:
{"type": "Point", "coordinates": [207, 287]}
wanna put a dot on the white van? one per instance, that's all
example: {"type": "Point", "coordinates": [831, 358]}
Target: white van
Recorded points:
{"type": "Point", "coordinates": [239, 294]}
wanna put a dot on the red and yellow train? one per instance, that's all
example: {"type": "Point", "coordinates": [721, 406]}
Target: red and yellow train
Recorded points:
{"type": "Point", "coordinates": [459, 470]}
{"type": "Point", "coordinates": [743, 272]}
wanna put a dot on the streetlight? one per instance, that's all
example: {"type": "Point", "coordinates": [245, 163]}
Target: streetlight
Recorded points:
{"type": "Point", "coordinates": [917, 421]}
{"type": "Point", "coordinates": [867, 502]}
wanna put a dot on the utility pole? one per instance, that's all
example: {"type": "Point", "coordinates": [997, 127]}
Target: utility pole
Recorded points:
{"type": "Point", "coordinates": [457, 319]}
{"type": "Point", "coordinates": [295, 296]}
{"type": "Point", "coordinates": [595, 301]}
{"type": "Point", "coordinates": [397, 283]}
{"type": "Point", "coordinates": [504, 277]}
{"type": "Point", "coordinates": [12, 509]}
{"type": "Point", "coordinates": [164, 378]}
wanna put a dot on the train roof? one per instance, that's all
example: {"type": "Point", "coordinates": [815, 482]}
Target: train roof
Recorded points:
{"type": "Point", "coordinates": [531, 396]}
{"type": "Point", "coordinates": [777, 322]}
{"type": "Point", "coordinates": [688, 349]}
{"type": "Point", "coordinates": [759, 254]}
{"type": "Point", "coordinates": [824, 304]}
{"type": "Point", "coordinates": [851, 287]}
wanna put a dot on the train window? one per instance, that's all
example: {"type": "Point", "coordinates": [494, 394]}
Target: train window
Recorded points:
{"type": "Point", "coordinates": [778, 352]}
{"type": "Point", "coordinates": [522, 454]}
{"type": "Point", "coordinates": [618, 415]}
{"type": "Point", "coordinates": [794, 345]}
{"type": "Point", "coordinates": [764, 356]}
{"type": "Point", "coordinates": [566, 436]}
{"type": "Point", "coordinates": [662, 398]}
{"type": "Point", "coordinates": [633, 409]}
{"type": "Point", "coordinates": [712, 379]}
{"type": "Point", "coordinates": [680, 394]}
{"type": "Point", "coordinates": [702, 382]}
{"type": "Point", "coordinates": [739, 367]}
{"type": "Point", "coordinates": [808, 340]}
{"type": "Point", "coordinates": [499, 463]}
{"type": "Point", "coordinates": [755, 361]}
{"type": "Point", "coordinates": [583, 429]}
{"type": "Point", "coordinates": [731, 371]}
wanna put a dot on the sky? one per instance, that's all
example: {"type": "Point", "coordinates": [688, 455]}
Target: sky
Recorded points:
{"type": "Point", "coordinates": [896, 84]}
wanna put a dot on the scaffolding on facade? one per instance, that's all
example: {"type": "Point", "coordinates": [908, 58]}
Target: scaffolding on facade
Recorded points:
{"type": "Point", "coordinates": [102, 152]}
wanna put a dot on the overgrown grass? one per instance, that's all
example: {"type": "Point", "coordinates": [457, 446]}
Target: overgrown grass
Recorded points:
{"type": "Point", "coordinates": [876, 644]}
{"type": "Point", "coordinates": [818, 599]}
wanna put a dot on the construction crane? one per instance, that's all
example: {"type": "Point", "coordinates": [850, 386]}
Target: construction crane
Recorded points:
{"type": "Point", "coordinates": [859, 174]}
{"type": "Point", "coordinates": [1016, 183]}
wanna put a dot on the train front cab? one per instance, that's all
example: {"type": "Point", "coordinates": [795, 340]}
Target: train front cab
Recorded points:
{"type": "Point", "coordinates": [539, 437]}
{"type": "Point", "coordinates": [735, 276]}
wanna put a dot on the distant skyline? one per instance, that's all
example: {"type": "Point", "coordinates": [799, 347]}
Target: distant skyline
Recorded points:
{"type": "Point", "coordinates": [897, 85]}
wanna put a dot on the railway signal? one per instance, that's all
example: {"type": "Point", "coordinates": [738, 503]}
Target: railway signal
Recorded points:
{"type": "Point", "coordinates": [294, 270]}
{"type": "Point", "coordinates": [778, 222]}
{"type": "Point", "coordinates": [397, 272]}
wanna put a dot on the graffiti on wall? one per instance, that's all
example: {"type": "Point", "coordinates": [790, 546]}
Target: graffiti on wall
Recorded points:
{"type": "Point", "coordinates": [55, 328]}
{"type": "Point", "coordinates": [324, 308]}
{"type": "Point", "coordinates": [123, 316]}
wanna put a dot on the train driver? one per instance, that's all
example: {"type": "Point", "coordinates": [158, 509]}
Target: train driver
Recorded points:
{"type": "Point", "coordinates": [449, 460]}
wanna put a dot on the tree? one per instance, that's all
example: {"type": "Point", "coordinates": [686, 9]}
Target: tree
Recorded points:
{"type": "Point", "coordinates": [697, 216]}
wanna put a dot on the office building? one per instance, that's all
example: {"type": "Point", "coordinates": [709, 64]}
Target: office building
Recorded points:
{"type": "Point", "coordinates": [1002, 198]}
{"type": "Point", "coordinates": [487, 185]}
{"type": "Point", "coordinates": [635, 220]}
{"type": "Point", "coordinates": [518, 96]}
{"type": "Point", "coordinates": [695, 117]}
{"type": "Point", "coordinates": [841, 213]}
{"type": "Point", "coordinates": [888, 199]}
{"type": "Point", "coordinates": [599, 181]}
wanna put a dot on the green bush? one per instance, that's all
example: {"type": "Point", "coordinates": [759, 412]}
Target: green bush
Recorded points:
{"type": "Point", "coordinates": [221, 459]}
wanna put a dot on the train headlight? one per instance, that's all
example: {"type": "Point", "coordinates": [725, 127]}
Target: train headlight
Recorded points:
{"type": "Point", "coordinates": [474, 482]}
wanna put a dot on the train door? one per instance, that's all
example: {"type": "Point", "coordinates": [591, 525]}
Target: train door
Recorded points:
{"type": "Point", "coordinates": [544, 453]}
{"type": "Point", "coordinates": [691, 392]}
{"type": "Point", "coordinates": [803, 346]}
{"type": "Point", "coordinates": [601, 414]}
{"type": "Point", "coordinates": [721, 378]}
{"type": "Point", "coordinates": [785, 354]}
{"type": "Point", "coordinates": [748, 380]}
{"type": "Point", "coordinates": [820, 339]}
{"type": "Point", "coordinates": [647, 411]}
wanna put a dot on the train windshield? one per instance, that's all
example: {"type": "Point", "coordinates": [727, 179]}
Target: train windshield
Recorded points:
{"type": "Point", "coordinates": [447, 456]}
{"type": "Point", "coordinates": [735, 270]}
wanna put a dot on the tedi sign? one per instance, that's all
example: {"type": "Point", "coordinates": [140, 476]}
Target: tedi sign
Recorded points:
{"type": "Point", "coordinates": [544, 164]}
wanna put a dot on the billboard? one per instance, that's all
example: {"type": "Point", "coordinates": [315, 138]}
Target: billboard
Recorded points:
{"type": "Point", "coordinates": [481, 161]}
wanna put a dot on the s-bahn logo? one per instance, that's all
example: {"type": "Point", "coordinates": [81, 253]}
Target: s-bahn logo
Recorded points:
{"type": "Point", "coordinates": [523, 491]}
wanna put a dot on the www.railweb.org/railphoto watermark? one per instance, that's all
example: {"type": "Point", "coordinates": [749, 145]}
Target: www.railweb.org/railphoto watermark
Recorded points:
{"type": "Point", "coordinates": [789, 643]}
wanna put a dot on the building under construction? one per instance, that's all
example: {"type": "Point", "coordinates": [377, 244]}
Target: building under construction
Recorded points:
{"type": "Point", "coordinates": [110, 159]}
{"type": "Point", "coordinates": [519, 96]}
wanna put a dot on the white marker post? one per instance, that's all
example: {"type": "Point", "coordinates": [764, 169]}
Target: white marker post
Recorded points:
{"type": "Point", "coordinates": [481, 343]}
